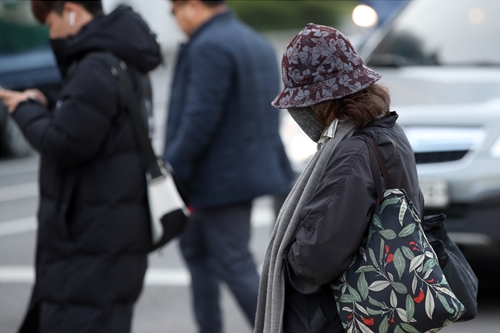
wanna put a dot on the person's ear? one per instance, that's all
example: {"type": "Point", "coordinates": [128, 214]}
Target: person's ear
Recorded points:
{"type": "Point", "coordinates": [195, 4]}
{"type": "Point", "coordinates": [73, 13]}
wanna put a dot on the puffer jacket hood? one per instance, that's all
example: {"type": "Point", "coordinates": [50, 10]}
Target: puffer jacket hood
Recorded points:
{"type": "Point", "coordinates": [122, 32]}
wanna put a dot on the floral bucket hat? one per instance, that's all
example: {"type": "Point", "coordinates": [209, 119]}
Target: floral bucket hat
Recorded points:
{"type": "Point", "coordinates": [318, 65]}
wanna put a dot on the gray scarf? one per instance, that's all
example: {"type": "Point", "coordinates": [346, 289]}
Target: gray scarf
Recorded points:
{"type": "Point", "coordinates": [271, 301]}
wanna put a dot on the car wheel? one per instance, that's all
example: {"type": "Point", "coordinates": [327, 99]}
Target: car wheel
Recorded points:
{"type": "Point", "coordinates": [12, 140]}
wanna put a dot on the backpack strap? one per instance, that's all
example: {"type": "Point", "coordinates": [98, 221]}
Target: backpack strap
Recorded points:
{"type": "Point", "coordinates": [156, 168]}
{"type": "Point", "coordinates": [131, 104]}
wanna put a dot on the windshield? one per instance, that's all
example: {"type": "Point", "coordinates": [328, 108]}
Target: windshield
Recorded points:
{"type": "Point", "coordinates": [19, 31]}
{"type": "Point", "coordinates": [442, 32]}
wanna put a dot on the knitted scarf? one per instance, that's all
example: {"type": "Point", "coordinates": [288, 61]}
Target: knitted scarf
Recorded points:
{"type": "Point", "coordinates": [271, 301]}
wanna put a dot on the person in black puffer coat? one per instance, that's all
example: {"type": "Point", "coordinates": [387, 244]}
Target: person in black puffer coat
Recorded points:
{"type": "Point", "coordinates": [94, 234]}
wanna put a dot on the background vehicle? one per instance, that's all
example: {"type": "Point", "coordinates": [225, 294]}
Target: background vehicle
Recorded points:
{"type": "Point", "coordinates": [441, 62]}
{"type": "Point", "coordinates": [26, 61]}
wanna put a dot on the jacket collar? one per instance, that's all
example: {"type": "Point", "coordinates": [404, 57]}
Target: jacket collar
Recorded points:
{"type": "Point", "coordinates": [328, 133]}
{"type": "Point", "coordinates": [385, 122]}
{"type": "Point", "coordinates": [224, 16]}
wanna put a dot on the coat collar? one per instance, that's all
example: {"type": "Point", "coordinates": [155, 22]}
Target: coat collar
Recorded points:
{"type": "Point", "coordinates": [328, 133]}
{"type": "Point", "coordinates": [224, 16]}
{"type": "Point", "coordinates": [385, 122]}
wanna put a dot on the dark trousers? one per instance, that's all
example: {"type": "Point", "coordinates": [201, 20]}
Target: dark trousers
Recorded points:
{"type": "Point", "coordinates": [215, 248]}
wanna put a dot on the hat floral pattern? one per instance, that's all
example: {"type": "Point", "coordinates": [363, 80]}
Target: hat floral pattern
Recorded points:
{"type": "Point", "coordinates": [321, 64]}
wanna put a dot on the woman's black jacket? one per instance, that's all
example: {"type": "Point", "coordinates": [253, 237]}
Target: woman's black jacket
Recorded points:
{"type": "Point", "coordinates": [334, 221]}
{"type": "Point", "coordinates": [93, 219]}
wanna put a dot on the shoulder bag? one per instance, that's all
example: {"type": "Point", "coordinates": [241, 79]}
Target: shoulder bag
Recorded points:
{"type": "Point", "coordinates": [394, 283]}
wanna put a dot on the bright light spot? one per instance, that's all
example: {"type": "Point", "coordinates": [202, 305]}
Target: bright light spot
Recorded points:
{"type": "Point", "coordinates": [475, 16]}
{"type": "Point", "coordinates": [299, 147]}
{"type": "Point", "coordinates": [364, 16]}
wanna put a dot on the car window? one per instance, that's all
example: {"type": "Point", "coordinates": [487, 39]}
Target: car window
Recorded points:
{"type": "Point", "coordinates": [442, 32]}
{"type": "Point", "coordinates": [19, 31]}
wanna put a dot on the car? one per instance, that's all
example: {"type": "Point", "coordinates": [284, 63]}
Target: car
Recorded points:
{"type": "Point", "coordinates": [441, 63]}
{"type": "Point", "coordinates": [26, 61]}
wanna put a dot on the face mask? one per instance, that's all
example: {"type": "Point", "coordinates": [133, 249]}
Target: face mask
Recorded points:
{"type": "Point", "coordinates": [305, 118]}
{"type": "Point", "coordinates": [59, 46]}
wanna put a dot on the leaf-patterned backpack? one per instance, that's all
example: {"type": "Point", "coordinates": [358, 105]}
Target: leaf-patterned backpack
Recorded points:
{"type": "Point", "coordinates": [394, 283]}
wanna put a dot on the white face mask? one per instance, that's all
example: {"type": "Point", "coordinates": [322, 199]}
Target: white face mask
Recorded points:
{"type": "Point", "coordinates": [305, 118]}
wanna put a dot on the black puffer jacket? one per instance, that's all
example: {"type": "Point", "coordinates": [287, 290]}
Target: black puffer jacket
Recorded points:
{"type": "Point", "coordinates": [334, 221]}
{"type": "Point", "coordinates": [93, 235]}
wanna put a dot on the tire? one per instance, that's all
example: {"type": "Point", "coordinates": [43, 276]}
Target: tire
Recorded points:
{"type": "Point", "coordinates": [12, 140]}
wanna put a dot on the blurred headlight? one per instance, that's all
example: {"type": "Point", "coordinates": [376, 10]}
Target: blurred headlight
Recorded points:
{"type": "Point", "coordinates": [476, 16]}
{"type": "Point", "coordinates": [495, 149]}
{"type": "Point", "coordinates": [364, 16]}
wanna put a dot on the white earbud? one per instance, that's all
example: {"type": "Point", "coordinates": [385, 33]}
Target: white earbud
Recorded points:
{"type": "Point", "coordinates": [72, 21]}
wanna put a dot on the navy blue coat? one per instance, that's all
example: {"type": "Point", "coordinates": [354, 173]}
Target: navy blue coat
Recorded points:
{"type": "Point", "coordinates": [222, 134]}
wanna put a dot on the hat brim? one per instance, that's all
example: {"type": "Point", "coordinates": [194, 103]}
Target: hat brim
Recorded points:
{"type": "Point", "coordinates": [333, 88]}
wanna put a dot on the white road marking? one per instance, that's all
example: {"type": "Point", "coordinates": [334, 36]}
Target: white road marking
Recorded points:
{"type": "Point", "coordinates": [167, 277]}
{"type": "Point", "coordinates": [17, 192]}
{"type": "Point", "coordinates": [175, 277]}
{"type": "Point", "coordinates": [18, 226]}
{"type": "Point", "coordinates": [261, 218]}
{"type": "Point", "coordinates": [17, 274]}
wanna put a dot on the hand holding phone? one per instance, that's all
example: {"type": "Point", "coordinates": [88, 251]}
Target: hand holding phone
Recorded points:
{"type": "Point", "coordinates": [11, 98]}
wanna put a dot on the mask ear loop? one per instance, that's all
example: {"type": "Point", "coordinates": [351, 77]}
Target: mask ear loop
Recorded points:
{"type": "Point", "coordinates": [72, 20]}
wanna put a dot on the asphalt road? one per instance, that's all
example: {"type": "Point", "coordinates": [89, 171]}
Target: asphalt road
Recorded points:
{"type": "Point", "coordinates": [165, 303]}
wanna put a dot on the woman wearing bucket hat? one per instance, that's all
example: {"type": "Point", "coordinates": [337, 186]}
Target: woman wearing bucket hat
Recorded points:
{"type": "Point", "coordinates": [334, 98]}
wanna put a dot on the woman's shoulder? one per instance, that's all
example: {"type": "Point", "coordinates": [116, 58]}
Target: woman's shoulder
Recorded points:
{"type": "Point", "coordinates": [351, 146]}
{"type": "Point", "coordinates": [353, 151]}
{"type": "Point", "coordinates": [350, 154]}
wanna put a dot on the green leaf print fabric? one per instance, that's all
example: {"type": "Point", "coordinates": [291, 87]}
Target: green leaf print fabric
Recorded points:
{"type": "Point", "coordinates": [395, 284]}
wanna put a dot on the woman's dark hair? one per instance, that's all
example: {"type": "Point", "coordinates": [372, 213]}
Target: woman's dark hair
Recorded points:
{"type": "Point", "coordinates": [42, 8]}
{"type": "Point", "coordinates": [362, 107]}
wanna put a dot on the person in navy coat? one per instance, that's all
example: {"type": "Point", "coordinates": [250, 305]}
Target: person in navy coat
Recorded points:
{"type": "Point", "coordinates": [223, 142]}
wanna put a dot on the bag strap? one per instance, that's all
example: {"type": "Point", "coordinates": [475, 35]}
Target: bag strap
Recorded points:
{"type": "Point", "coordinates": [377, 165]}
{"type": "Point", "coordinates": [131, 104]}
